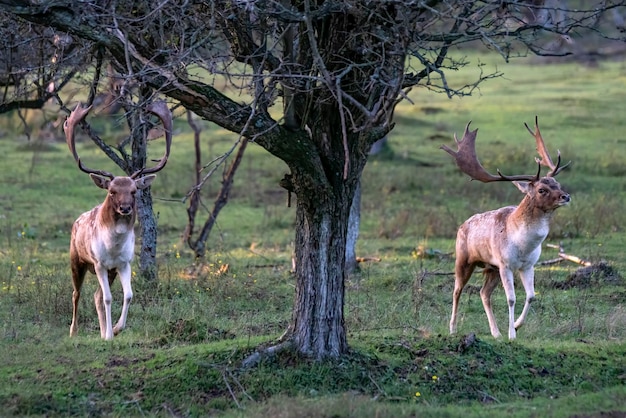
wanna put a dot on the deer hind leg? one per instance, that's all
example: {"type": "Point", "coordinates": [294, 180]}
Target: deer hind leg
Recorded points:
{"type": "Point", "coordinates": [491, 276]}
{"type": "Point", "coordinates": [102, 299]}
{"type": "Point", "coordinates": [125, 277]}
{"type": "Point", "coordinates": [462, 274]}
{"type": "Point", "coordinates": [528, 280]}
{"type": "Point", "coordinates": [78, 277]}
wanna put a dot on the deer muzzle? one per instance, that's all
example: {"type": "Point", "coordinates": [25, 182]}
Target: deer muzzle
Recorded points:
{"type": "Point", "coordinates": [125, 210]}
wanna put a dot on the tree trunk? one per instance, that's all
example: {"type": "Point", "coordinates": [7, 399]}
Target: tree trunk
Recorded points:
{"type": "Point", "coordinates": [324, 200]}
{"type": "Point", "coordinates": [354, 224]}
{"type": "Point", "coordinates": [199, 245]}
{"type": "Point", "coordinates": [145, 213]}
{"type": "Point", "coordinates": [148, 236]}
{"type": "Point", "coordinates": [317, 325]}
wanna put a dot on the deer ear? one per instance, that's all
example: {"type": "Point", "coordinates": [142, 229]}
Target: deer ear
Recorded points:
{"type": "Point", "coordinates": [100, 181]}
{"type": "Point", "coordinates": [144, 182]}
{"type": "Point", "coordinates": [524, 186]}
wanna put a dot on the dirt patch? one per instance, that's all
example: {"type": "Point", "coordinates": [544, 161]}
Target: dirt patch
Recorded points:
{"type": "Point", "coordinates": [599, 273]}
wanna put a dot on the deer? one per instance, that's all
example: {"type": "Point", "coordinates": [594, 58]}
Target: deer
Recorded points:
{"type": "Point", "coordinates": [506, 240]}
{"type": "Point", "coordinates": [103, 239]}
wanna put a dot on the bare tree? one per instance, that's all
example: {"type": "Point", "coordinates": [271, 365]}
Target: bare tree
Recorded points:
{"type": "Point", "coordinates": [337, 68]}
{"type": "Point", "coordinates": [27, 84]}
{"type": "Point", "coordinates": [36, 63]}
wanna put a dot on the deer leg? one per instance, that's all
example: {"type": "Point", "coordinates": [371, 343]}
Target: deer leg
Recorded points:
{"type": "Point", "coordinates": [102, 299]}
{"type": "Point", "coordinates": [125, 276]}
{"type": "Point", "coordinates": [78, 277]}
{"type": "Point", "coordinates": [463, 272]}
{"type": "Point", "coordinates": [528, 280]}
{"type": "Point", "coordinates": [491, 282]}
{"type": "Point", "coordinates": [506, 275]}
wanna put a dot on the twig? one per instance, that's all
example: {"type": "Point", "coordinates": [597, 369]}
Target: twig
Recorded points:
{"type": "Point", "coordinates": [564, 256]}
{"type": "Point", "coordinates": [380, 390]}
{"type": "Point", "coordinates": [575, 259]}
{"type": "Point", "coordinates": [232, 394]}
{"type": "Point", "coordinates": [364, 259]}
{"type": "Point", "coordinates": [243, 390]}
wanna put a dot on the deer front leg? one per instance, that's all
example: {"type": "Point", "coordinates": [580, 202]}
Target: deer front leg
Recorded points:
{"type": "Point", "coordinates": [102, 299]}
{"type": "Point", "coordinates": [125, 278]}
{"type": "Point", "coordinates": [528, 280]}
{"type": "Point", "coordinates": [506, 275]}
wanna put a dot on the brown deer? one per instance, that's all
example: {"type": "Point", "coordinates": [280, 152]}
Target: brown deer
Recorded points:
{"type": "Point", "coordinates": [103, 239]}
{"type": "Point", "coordinates": [508, 239]}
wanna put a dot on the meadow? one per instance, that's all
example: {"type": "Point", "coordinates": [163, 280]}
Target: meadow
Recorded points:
{"type": "Point", "coordinates": [186, 337]}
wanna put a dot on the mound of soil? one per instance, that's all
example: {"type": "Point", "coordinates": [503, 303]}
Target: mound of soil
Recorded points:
{"type": "Point", "coordinates": [584, 277]}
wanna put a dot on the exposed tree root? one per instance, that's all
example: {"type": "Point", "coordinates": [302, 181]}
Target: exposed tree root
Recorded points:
{"type": "Point", "coordinates": [256, 357]}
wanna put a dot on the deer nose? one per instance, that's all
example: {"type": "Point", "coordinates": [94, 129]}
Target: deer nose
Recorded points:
{"type": "Point", "coordinates": [565, 197]}
{"type": "Point", "coordinates": [126, 210]}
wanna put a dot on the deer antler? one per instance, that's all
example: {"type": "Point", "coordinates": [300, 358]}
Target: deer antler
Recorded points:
{"type": "Point", "coordinates": [75, 117]}
{"type": "Point", "coordinates": [163, 113]}
{"type": "Point", "coordinates": [79, 113]}
{"type": "Point", "coordinates": [543, 152]}
{"type": "Point", "coordinates": [467, 160]}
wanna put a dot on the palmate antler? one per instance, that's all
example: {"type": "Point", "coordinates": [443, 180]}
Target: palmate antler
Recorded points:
{"type": "Point", "coordinates": [75, 117]}
{"type": "Point", "coordinates": [543, 153]}
{"type": "Point", "coordinates": [79, 113]}
{"type": "Point", "coordinates": [468, 162]}
{"type": "Point", "coordinates": [162, 112]}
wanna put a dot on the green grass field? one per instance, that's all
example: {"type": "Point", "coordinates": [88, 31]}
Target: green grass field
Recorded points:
{"type": "Point", "coordinates": [185, 339]}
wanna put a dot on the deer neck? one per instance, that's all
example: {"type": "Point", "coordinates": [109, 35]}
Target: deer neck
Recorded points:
{"type": "Point", "coordinates": [531, 220]}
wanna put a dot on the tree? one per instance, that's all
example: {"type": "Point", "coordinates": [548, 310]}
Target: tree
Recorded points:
{"type": "Point", "coordinates": [36, 63]}
{"type": "Point", "coordinates": [337, 68]}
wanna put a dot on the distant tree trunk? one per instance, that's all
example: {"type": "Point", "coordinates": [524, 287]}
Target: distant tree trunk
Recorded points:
{"type": "Point", "coordinates": [354, 224]}
{"type": "Point", "coordinates": [379, 145]}
{"type": "Point", "coordinates": [198, 245]}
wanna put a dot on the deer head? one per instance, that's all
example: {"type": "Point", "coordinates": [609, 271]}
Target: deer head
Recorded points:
{"type": "Point", "coordinates": [546, 190]}
{"type": "Point", "coordinates": [120, 200]}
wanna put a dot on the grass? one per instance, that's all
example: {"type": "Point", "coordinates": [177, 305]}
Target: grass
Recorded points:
{"type": "Point", "coordinates": [186, 337]}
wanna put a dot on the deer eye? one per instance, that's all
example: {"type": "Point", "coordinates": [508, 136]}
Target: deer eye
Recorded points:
{"type": "Point", "coordinates": [543, 191]}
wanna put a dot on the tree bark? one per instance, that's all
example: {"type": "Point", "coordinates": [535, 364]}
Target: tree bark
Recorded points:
{"type": "Point", "coordinates": [148, 236]}
{"type": "Point", "coordinates": [145, 213]}
{"type": "Point", "coordinates": [317, 324]}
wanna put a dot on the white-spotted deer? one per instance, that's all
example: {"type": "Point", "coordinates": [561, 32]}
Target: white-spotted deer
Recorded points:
{"type": "Point", "coordinates": [508, 239]}
{"type": "Point", "coordinates": [103, 239]}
